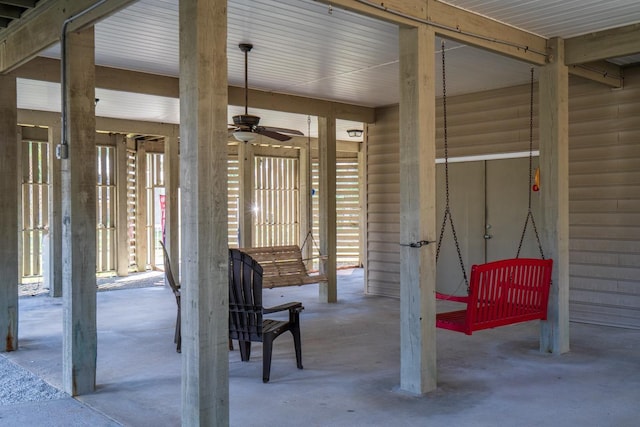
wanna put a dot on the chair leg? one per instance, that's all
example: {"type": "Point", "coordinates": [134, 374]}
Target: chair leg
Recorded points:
{"type": "Point", "coordinates": [178, 335]}
{"type": "Point", "coordinates": [295, 331]}
{"type": "Point", "coordinates": [267, 347]}
{"type": "Point", "coordinates": [245, 350]}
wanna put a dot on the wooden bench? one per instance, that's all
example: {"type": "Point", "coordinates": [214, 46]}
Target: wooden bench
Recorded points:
{"type": "Point", "coordinates": [501, 293]}
{"type": "Point", "coordinates": [282, 266]}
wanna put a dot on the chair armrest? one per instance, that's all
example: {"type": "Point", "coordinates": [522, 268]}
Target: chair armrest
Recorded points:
{"type": "Point", "coordinates": [291, 306]}
{"type": "Point", "coordinates": [464, 299]}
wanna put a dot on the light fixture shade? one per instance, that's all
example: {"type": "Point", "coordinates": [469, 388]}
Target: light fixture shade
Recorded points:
{"type": "Point", "coordinates": [244, 136]}
{"type": "Point", "coordinates": [354, 132]}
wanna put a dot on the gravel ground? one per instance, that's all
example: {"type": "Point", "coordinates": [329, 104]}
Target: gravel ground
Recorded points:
{"type": "Point", "coordinates": [19, 385]}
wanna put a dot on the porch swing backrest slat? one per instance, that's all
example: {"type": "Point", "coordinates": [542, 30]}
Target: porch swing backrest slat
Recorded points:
{"type": "Point", "coordinates": [282, 266]}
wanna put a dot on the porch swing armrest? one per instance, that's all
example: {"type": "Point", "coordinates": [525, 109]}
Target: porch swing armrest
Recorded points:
{"type": "Point", "coordinates": [456, 298]}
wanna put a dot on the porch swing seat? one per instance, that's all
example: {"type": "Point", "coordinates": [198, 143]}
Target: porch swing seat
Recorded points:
{"type": "Point", "coordinates": [282, 266]}
{"type": "Point", "coordinates": [501, 293]}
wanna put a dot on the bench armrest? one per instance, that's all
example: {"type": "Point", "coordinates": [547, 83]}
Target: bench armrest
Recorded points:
{"type": "Point", "coordinates": [291, 306]}
{"type": "Point", "coordinates": [456, 298]}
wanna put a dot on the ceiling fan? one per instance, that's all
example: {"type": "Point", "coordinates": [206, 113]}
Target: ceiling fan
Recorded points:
{"type": "Point", "coordinates": [245, 126]}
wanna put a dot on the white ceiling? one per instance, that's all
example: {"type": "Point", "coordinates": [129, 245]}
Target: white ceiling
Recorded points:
{"type": "Point", "coordinates": [306, 48]}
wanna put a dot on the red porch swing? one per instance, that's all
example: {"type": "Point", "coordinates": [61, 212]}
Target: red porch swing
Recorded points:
{"type": "Point", "coordinates": [502, 292]}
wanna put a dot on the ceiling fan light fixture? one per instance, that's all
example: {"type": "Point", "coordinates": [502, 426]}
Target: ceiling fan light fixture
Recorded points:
{"type": "Point", "coordinates": [244, 136]}
{"type": "Point", "coordinates": [354, 133]}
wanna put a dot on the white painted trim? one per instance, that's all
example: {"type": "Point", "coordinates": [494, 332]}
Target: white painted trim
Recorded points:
{"type": "Point", "coordinates": [483, 157]}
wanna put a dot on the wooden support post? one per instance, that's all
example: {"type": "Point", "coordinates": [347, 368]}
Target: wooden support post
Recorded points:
{"type": "Point", "coordinates": [305, 212]}
{"type": "Point", "coordinates": [203, 177]}
{"type": "Point", "coordinates": [417, 210]}
{"type": "Point", "coordinates": [8, 214]}
{"type": "Point", "coordinates": [122, 225]}
{"type": "Point", "coordinates": [246, 199]}
{"type": "Point", "coordinates": [328, 227]}
{"type": "Point", "coordinates": [141, 207]}
{"type": "Point", "coordinates": [54, 269]}
{"type": "Point", "coordinates": [362, 176]}
{"type": "Point", "coordinates": [19, 201]}
{"type": "Point", "coordinates": [79, 338]}
{"type": "Point", "coordinates": [554, 172]}
{"type": "Point", "coordinates": [171, 207]}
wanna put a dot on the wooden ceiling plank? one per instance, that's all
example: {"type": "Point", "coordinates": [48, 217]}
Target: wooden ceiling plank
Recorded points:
{"type": "Point", "coordinates": [42, 26]}
{"type": "Point", "coordinates": [606, 44]}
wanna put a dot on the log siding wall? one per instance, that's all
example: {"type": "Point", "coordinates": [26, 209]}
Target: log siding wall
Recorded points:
{"type": "Point", "coordinates": [604, 187]}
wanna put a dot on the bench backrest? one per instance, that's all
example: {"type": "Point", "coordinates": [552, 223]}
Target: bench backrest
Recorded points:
{"type": "Point", "coordinates": [282, 266]}
{"type": "Point", "coordinates": [508, 291]}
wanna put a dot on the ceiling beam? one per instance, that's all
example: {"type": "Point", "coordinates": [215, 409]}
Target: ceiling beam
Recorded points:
{"type": "Point", "coordinates": [30, 118]}
{"type": "Point", "coordinates": [604, 72]}
{"type": "Point", "coordinates": [11, 12]}
{"type": "Point", "coordinates": [27, 4]}
{"type": "Point", "coordinates": [41, 27]}
{"type": "Point", "coordinates": [103, 124]}
{"type": "Point", "coordinates": [478, 31]}
{"type": "Point", "coordinates": [486, 33]}
{"type": "Point", "coordinates": [613, 43]}
{"type": "Point", "coordinates": [455, 23]}
{"type": "Point", "coordinates": [46, 69]}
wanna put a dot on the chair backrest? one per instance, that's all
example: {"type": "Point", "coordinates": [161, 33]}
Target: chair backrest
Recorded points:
{"type": "Point", "coordinates": [175, 286]}
{"type": "Point", "coordinates": [502, 292]}
{"type": "Point", "coordinates": [245, 297]}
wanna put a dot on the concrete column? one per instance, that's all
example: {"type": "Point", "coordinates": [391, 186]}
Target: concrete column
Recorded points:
{"type": "Point", "coordinates": [141, 207]}
{"type": "Point", "coordinates": [328, 227]}
{"type": "Point", "coordinates": [246, 197]}
{"type": "Point", "coordinates": [122, 225]}
{"type": "Point", "coordinates": [203, 177]}
{"type": "Point", "coordinates": [417, 210]}
{"type": "Point", "coordinates": [306, 214]}
{"type": "Point", "coordinates": [79, 340]}
{"type": "Point", "coordinates": [8, 214]}
{"type": "Point", "coordinates": [171, 186]}
{"type": "Point", "coordinates": [54, 269]}
{"type": "Point", "coordinates": [553, 112]}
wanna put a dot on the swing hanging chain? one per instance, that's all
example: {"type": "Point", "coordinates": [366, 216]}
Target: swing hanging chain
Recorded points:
{"type": "Point", "coordinates": [447, 210]}
{"type": "Point", "coordinates": [529, 210]}
{"type": "Point", "coordinates": [314, 245]}
{"type": "Point", "coordinates": [530, 139]}
{"type": "Point", "coordinates": [310, 230]}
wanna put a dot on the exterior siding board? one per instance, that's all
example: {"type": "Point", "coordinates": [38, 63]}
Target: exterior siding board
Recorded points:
{"type": "Point", "coordinates": [604, 181]}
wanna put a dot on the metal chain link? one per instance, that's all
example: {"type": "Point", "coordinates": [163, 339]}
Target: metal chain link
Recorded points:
{"type": "Point", "coordinates": [529, 211]}
{"type": "Point", "coordinates": [447, 209]}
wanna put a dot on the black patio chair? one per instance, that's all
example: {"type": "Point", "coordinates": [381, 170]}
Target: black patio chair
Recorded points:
{"type": "Point", "coordinates": [246, 322]}
{"type": "Point", "coordinates": [175, 287]}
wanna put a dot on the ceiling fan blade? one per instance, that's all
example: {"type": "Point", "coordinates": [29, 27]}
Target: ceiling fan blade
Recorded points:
{"type": "Point", "coordinates": [272, 134]}
{"type": "Point", "coordinates": [283, 130]}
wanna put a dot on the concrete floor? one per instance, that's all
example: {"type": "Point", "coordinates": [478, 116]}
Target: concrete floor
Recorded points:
{"type": "Point", "coordinates": [351, 376]}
